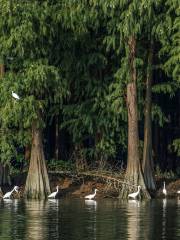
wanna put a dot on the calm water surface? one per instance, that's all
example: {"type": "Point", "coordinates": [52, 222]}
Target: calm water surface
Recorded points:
{"type": "Point", "coordinates": [77, 219]}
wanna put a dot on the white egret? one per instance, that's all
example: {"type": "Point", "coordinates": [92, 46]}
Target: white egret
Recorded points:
{"type": "Point", "coordinates": [14, 95]}
{"type": "Point", "coordinates": [135, 194]}
{"type": "Point", "coordinates": [164, 190]}
{"type": "Point", "coordinates": [8, 194]}
{"type": "Point", "coordinates": [53, 194]}
{"type": "Point", "coordinates": [91, 196]}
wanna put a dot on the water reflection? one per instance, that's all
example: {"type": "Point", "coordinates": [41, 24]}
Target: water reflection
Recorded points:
{"type": "Point", "coordinates": [91, 204]}
{"type": "Point", "coordinates": [7, 202]}
{"type": "Point", "coordinates": [178, 200]}
{"type": "Point", "coordinates": [92, 207]}
{"type": "Point", "coordinates": [133, 202]}
{"type": "Point", "coordinates": [35, 211]}
{"type": "Point", "coordinates": [164, 201]}
{"type": "Point", "coordinates": [104, 219]}
{"type": "Point", "coordinates": [133, 225]}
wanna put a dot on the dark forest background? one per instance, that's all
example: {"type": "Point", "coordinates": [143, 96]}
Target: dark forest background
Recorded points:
{"type": "Point", "coordinates": [70, 63]}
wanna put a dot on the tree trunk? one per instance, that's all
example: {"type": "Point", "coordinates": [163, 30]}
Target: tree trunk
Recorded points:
{"type": "Point", "coordinates": [5, 179]}
{"type": "Point", "coordinates": [133, 175]}
{"type": "Point", "coordinates": [1, 70]}
{"type": "Point", "coordinates": [100, 158]}
{"type": "Point", "coordinates": [147, 165]}
{"type": "Point", "coordinates": [56, 138]}
{"type": "Point", "coordinates": [81, 164]}
{"type": "Point", "coordinates": [37, 182]}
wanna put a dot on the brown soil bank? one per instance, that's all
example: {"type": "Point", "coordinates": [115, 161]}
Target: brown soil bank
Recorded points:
{"type": "Point", "coordinates": [79, 185]}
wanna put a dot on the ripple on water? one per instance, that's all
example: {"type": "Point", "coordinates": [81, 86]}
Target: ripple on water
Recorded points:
{"type": "Point", "coordinates": [79, 219]}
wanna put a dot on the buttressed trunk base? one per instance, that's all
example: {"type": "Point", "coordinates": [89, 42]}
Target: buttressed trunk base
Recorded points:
{"type": "Point", "coordinates": [37, 182]}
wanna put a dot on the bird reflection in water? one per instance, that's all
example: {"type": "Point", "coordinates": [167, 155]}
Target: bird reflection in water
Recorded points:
{"type": "Point", "coordinates": [91, 204]}
{"type": "Point", "coordinates": [164, 218]}
{"type": "Point", "coordinates": [53, 203]}
{"type": "Point", "coordinates": [8, 201]}
{"type": "Point", "coordinates": [92, 207]}
{"type": "Point", "coordinates": [134, 202]}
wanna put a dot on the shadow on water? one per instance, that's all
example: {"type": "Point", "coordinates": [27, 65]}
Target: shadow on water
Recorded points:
{"type": "Point", "coordinates": [79, 219]}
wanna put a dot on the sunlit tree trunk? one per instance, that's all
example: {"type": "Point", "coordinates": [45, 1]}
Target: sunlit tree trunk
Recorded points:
{"type": "Point", "coordinates": [1, 70]}
{"type": "Point", "coordinates": [147, 165]}
{"type": "Point", "coordinates": [37, 182]}
{"type": "Point", "coordinates": [133, 176]}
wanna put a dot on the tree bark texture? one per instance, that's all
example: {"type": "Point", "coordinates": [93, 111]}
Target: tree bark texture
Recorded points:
{"type": "Point", "coordinates": [37, 182]}
{"type": "Point", "coordinates": [134, 175]}
{"type": "Point", "coordinates": [147, 165]}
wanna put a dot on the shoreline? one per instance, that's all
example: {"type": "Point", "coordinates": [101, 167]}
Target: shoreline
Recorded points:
{"type": "Point", "coordinates": [80, 184]}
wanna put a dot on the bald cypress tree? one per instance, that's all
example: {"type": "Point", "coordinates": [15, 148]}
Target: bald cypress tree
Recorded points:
{"type": "Point", "coordinates": [132, 22]}
{"type": "Point", "coordinates": [27, 40]}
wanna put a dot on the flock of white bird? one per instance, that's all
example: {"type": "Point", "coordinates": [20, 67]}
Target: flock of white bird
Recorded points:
{"type": "Point", "coordinates": [53, 194]}
{"type": "Point", "coordinates": [133, 195]}
{"type": "Point", "coordinates": [89, 197]}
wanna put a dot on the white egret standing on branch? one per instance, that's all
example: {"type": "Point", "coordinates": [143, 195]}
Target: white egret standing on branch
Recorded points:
{"type": "Point", "coordinates": [8, 194]}
{"type": "Point", "coordinates": [135, 194]}
{"type": "Point", "coordinates": [91, 196]}
{"type": "Point", "coordinates": [53, 194]}
{"type": "Point", "coordinates": [14, 95]}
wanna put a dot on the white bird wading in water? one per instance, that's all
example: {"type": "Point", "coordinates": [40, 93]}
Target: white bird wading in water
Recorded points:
{"type": "Point", "coordinates": [135, 194]}
{"type": "Point", "coordinates": [91, 196]}
{"type": "Point", "coordinates": [164, 190]}
{"type": "Point", "coordinates": [14, 95]}
{"type": "Point", "coordinates": [53, 195]}
{"type": "Point", "coordinates": [8, 194]}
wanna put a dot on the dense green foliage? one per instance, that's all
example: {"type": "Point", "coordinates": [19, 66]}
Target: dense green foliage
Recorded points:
{"type": "Point", "coordinates": [67, 59]}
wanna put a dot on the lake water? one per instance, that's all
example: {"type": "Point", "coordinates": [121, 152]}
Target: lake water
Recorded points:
{"type": "Point", "coordinates": [77, 219]}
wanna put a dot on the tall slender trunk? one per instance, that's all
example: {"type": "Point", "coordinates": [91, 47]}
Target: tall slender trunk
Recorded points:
{"type": "Point", "coordinates": [101, 160]}
{"type": "Point", "coordinates": [56, 138]}
{"type": "Point", "coordinates": [4, 168]}
{"type": "Point", "coordinates": [147, 165]}
{"type": "Point", "coordinates": [37, 182]}
{"type": "Point", "coordinates": [80, 161]}
{"type": "Point", "coordinates": [133, 176]}
{"type": "Point", "coordinates": [1, 70]}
